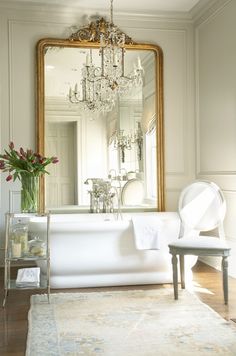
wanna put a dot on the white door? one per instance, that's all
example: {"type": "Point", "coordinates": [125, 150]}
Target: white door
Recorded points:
{"type": "Point", "coordinates": [61, 182]}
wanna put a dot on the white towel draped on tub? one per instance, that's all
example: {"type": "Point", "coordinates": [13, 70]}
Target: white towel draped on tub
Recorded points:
{"type": "Point", "coordinates": [146, 230]}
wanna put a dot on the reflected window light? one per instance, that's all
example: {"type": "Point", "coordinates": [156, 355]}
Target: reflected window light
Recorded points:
{"type": "Point", "coordinates": [49, 67]}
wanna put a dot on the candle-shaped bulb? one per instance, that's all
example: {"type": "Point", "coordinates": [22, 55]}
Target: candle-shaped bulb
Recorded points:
{"type": "Point", "coordinates": [139, 64]}
{"type": "Point", "coordinates": [76, 88]}
{"type": "Point", "coordinates": [102, 40]}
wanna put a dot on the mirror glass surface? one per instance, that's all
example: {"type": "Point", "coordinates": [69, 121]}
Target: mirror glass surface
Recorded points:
{"type": "Point", "coordinates": [119, 152]}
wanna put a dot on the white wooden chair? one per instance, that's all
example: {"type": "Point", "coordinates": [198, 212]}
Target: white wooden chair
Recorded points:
{"type": "Point", "coordinates": [201, 208]}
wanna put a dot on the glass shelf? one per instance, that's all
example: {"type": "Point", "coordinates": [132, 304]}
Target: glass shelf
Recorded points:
{"type": "Point", "coordinates": [34, 225]}
{"type": "Point", "coordinates": [43, 285]}
{"type": "Point", "coordinates": [27, 258]}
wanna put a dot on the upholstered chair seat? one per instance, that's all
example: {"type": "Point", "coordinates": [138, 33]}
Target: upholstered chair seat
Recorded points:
{"type": "Point", "coordinates": [204, 242]}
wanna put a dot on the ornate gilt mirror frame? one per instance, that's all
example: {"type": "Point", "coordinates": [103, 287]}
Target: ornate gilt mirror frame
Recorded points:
{"type": "Point", "coordinates": [88, 37]}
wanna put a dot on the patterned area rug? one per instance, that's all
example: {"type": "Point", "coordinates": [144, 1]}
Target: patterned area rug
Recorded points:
{"type": "Point", "coordinates": [127, 323]}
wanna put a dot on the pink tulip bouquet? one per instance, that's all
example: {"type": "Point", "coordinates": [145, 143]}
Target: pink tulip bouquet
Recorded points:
{"type": "Point", "coordinates": [27, 166]}
{"type": "Point", "coordinates": [23, 162]}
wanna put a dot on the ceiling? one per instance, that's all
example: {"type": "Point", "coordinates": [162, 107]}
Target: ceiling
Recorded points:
{"type": "Point", "coordinates": [137, 6]}
{"type": "Point", "coordinates": [63, 68]}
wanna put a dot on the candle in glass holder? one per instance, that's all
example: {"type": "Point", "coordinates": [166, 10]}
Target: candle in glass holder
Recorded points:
{"type": "Point", "coordinates": [16, 249]}
{"type": "Point", "coordinates": [20, 235]}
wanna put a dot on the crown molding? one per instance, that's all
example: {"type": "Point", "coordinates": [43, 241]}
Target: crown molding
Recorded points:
{"type": "Point", "coordinates": [205, 9]}
{"type": "Point", "coordinates": [71, 8]}
{"type": "Point", "coordinates": [198, 14]}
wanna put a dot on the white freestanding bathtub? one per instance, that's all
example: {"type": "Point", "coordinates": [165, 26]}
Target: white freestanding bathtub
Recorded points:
{"type": "Point", "coordinates": [92, 250]}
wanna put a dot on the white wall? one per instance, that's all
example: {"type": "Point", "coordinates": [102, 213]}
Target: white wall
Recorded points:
{"type": "Point", "coordinates": [21, 28]}
{"type": "Point", "coordinates": [216, 109]}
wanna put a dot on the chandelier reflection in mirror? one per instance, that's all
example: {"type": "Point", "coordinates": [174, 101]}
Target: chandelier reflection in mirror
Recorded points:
{"type": "Point", "coordinates": [124, 142]}
{"type": "Point", "coordinates": [100, 86]}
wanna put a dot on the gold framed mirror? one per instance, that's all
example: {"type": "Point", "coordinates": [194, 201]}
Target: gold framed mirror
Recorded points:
{"type": "Point", "coordinates": [123, 145]}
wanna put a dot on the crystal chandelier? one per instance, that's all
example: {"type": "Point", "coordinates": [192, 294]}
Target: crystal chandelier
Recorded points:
{"type": "Point", "coordinates": [95, 96]}
{"type": "Point", "coordinates": [112, 49]}
{"type": "Point", "coordinates": [100, 86]}
{"type": "Point", "coordinates": [138, 140]}
{"type": "Point", "coordinates": [124, 142]}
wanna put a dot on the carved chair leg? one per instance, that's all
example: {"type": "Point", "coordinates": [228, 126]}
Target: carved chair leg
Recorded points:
{"type": "Point", "coordinates": [175, 275]}
{"type": "Point", "coordinates": [225, 278]}
{"type": "Point", "coordinates": [182, 271]}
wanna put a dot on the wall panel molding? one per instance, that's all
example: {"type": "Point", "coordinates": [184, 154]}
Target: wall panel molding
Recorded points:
{"type": "Point", "coordinates": [185, 123]}
{"type": "Point", "coordinates": [212, 173]}
{"type": "Point", "coordinates": [215, 108]}
{"type": "Point", "coordinates": [10, 69]}
{"type": "Point", "coordinates": [14, 201]}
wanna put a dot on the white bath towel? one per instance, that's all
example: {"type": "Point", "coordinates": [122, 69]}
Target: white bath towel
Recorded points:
{"type": "Point", "coordinates": [28, 277]}
{"type": "Point", "coordinates": [146, 232]}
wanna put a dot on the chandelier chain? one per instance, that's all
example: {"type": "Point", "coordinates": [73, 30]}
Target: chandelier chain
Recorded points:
{"type": "Point", "coordinates": [111, 11]}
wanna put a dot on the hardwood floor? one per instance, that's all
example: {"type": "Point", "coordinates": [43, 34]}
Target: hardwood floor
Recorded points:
{"type": "Point", "coordinates": [207, 285]}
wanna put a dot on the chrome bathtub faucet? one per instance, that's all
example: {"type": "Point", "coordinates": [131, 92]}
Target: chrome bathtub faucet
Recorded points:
{"type": "Point", "coordinates": [101, 195]}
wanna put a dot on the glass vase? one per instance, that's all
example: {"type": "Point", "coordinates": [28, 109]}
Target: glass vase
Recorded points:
{"type": "Point", "coordinates": [29, 193]}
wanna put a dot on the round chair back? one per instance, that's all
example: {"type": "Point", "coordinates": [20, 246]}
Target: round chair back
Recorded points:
{"type": "Point", "coordinates": [202, 206]}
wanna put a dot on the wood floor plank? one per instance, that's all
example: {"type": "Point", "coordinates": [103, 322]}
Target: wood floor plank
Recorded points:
{"type": "Point", "coordinates": [206, 284]}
